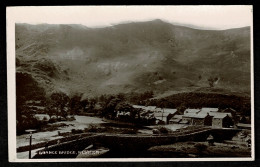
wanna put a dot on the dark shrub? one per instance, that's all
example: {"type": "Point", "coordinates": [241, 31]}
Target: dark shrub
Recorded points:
{"type": "Point", "coordinates": [92, 128]}
{"type": "Point", "coordinates": [200, 147]}
{"type": "Point", "coordinates": [163, 130]}
{"type": "Point", "coordinates": [129, 131]}
{"type": "Point", "coordinates": [28, 122]}
{"type": "Point", "coordinates": [75, 131]}
{"type": "Point", "coordinates": [156, 131]}
{"type": "Point", "coordinates": [52, 120]}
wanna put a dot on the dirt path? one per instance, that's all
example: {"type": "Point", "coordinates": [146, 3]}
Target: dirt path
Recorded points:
{"type": "Point", "coordinates": [81, 122]}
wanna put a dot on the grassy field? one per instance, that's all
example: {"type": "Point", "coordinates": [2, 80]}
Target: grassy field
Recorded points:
{"type": "Point", "coordinates": [188, 149]}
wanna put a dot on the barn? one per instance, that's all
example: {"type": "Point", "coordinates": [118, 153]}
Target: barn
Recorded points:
{"type": "Point", "coordinates": [198, 119]}
{"type": "Point", "coordinates": [163, 118]}
{"type": "Point", "coordinates": [222, 120]}
{"type": "Point", "coordinates": [175, 119]}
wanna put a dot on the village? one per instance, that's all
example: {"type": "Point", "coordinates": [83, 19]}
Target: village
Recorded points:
{"type": "Point", "coordinates": [153, 115]}
{"type": "Point", "coordinates": [212, 117]}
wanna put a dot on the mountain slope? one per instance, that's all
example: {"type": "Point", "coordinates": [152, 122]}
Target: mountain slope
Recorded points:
{"type": "Point", "coordinates": [140, 56]}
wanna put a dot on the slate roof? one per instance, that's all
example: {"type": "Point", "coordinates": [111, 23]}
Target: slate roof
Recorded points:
{"type": "Point", "coordinates": [205, 109]}
{"type": "Point", "coordinates": [228, 110]}
{"type": "Point", "coordinates": [184, 122]}
{"type": "Point", "coordinates": [138, 106]}
{"type": "Point", "coordinates": [170, 111]}
{"type": "Point", "coordinates": [160, 114]}
{"type": "Point", "coordinates": [194, 115]}
{"type": "Point", "coordinates": [155, 109]}
{"type": "Point", "coordinates": [220, 115]}
{"type": "Point", "coordinates": [151, 108]}
{"type": "Point", "coordinates": [177, 117]}
{"type": "Point", "coordinates": [189, 111]}
{"type": "Point", "coordinates": [176, 120]}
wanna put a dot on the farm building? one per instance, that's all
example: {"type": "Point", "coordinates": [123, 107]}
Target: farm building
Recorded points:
{"type": "Point", "coordinates": [188, 114]}
{"type": "Point", "coordinates": [198, 119]}
{"type": "Point", "coordinates": [222, 120]}
{"type": "Point", "coordinates": [162, 117]}
{"type": "Point", "coordinates": [204, 116]}
{"type": "Point", "coordinates": [175, 119]}
{"type": "Point", "coordinates": [170, 111]}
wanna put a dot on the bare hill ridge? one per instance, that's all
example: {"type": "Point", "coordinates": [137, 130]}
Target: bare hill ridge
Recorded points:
{"type": "Point", "coordinates": [136, 56]}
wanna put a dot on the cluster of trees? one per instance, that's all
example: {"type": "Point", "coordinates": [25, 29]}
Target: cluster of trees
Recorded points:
{"type": "Point", "coordinates": [25, 118]}
{"type": "Point", "coordinates": [122, 102]}
{"type": "Point", "coordinates": [112, 103]}
{"type": "Point", "coordinates": [57, 105]}
{"type": "Point", "coordinates": [61, 105]}
{"type": "Point", "coordinates": [26, 89]}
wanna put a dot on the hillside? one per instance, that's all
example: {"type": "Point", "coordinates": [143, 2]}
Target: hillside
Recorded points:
{"type": "Point", "coordinates": [136, 56]}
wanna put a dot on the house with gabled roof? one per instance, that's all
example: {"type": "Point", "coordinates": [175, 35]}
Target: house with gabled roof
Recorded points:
{"type": "Point", "coordinates": [198, 119]}
{"type": "Point", "coordinates": [222, 120]}
{"type": "Point", "coordinates": [170, 111]}
{"type": "Point", "coordinates": [164, 117]}
{"type": "Point", "coordinates": [175, 119]}
{"type": "Point", "coordinates": [161, 117]}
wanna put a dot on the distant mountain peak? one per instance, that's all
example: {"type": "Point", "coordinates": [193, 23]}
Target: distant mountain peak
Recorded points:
{"type": "Point", "coordinates": [158, 20]}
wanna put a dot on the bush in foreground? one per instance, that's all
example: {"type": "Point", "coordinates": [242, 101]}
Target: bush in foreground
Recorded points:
{"type": "Point", "coordinates": [200, 147]}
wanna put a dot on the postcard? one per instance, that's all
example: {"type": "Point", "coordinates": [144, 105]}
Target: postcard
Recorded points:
{"type": "Point", "coordinates": [130, 83]}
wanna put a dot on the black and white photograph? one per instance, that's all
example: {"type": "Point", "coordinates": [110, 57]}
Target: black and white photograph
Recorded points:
{"type": "Point", "coordinates": [130, 83]}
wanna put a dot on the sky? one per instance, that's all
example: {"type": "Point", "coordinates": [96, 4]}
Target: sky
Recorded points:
{"type": "Point", "coordinates": [204, 17]}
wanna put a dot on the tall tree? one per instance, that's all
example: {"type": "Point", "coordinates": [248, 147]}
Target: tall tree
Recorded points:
{"type": "Point", "coordinates": [60, 102]}
{"type": "Point", "coordinates": [181, 108]}
{"type": "Point", "coordinates": [110, 105]}
{"type": "Point", "coordinates": [75, 105]}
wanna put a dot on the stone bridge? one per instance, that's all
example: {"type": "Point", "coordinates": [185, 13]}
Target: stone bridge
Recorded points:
{"type": "Point", "coordinates": [133, 143]}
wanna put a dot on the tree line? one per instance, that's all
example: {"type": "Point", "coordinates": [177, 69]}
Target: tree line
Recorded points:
{"type": "Point", "coordinates": [59, 105]}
